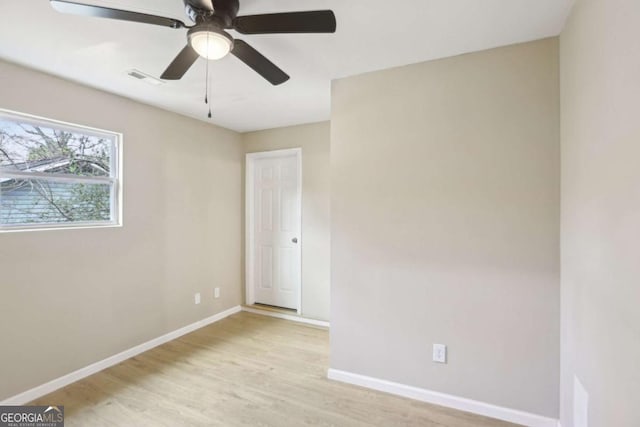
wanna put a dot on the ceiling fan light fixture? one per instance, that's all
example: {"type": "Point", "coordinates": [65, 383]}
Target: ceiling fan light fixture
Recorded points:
{"type": "Point", "coordinates": [210, 42]}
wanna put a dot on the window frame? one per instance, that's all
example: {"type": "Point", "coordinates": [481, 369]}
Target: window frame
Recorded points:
{"type": "Point", "coordinates": [114, 180]}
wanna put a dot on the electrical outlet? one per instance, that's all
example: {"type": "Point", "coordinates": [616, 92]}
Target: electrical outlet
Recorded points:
{"type": "Point", "coordinates": [216, 293]}
{"type": "Point", "coordinates": [197, 298]}
{"type": "Point", "coordinates": [440, 353]}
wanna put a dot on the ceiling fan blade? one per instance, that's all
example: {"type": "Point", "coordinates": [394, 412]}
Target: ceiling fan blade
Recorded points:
{"type": "Point", "coordinates": [259, 63]}
{"type": "Point", "coordinates": [181, 64]}
{"type": "Point", "coordinates": [317, 21]}
{"type": "Point", "coordinates": [105, 12]}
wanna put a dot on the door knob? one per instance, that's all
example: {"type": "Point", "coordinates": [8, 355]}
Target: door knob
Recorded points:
{"type": "Point", "coordinates": [294, 240]}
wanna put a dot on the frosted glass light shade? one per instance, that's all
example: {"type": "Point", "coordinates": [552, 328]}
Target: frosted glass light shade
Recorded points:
{"type": "Point", "coordinates": [210, 44]}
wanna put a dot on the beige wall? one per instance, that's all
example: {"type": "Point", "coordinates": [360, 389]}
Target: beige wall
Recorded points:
{"type": "Point", "coordinates": [70, 298]}
{"type": "Point", "coordinates": [600, 75]}
{"type": "Point", "coordinates": [444, 225]}
{"type": "Point", "coordinates": [314, 141]}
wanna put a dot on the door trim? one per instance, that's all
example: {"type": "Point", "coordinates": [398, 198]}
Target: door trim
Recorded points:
{"type": "Point", "coordinates": [249, 220]}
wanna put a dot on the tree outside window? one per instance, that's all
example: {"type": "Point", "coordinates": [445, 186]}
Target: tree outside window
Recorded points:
{"type": "Point", "coordinates": [56, 174]}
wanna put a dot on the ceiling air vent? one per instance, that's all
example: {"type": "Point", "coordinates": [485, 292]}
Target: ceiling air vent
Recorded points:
{"type": "Point", "coordinates": [137, 74]}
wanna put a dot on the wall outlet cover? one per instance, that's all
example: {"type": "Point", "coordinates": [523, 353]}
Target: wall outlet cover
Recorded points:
{"type": "Point", "coordinates": [216, 293]}
{"type": "Point", "coordinates": [197, 298]}
{"type": "Point", "coordinates": [440, 353]}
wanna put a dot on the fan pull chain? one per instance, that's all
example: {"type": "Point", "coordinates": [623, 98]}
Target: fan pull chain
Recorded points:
{"type": "Point", "coordinates": [208, 95]}
{"type": "Point", "coordinates": [207, 85]}
{"type": "Point", "coordinates": [209, 115]}
{"type": "Point", "coordinates": [206, 78]}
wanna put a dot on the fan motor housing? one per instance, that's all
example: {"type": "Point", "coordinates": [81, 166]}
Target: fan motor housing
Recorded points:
{"type": "Point", "coordinates": [223, 11]}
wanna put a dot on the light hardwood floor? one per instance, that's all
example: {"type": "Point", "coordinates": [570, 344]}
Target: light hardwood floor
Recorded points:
{"type": "Point", "coordinates": [246, 370]}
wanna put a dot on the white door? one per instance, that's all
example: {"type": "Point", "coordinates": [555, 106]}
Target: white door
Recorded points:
{"type": "Point", "coordinates": [276, 223]}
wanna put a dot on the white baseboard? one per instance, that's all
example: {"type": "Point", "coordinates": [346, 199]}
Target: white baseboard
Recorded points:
{"type": "Point", "coordinates": [51, 386]}
{"type": "Point", "coordinates": [447, 400]}
{"type": "Point", "coordinates": [285, 316]}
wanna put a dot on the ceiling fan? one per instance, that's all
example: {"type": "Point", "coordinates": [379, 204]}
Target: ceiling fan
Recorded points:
{"type": "Point", "coordinates": [208, 37]}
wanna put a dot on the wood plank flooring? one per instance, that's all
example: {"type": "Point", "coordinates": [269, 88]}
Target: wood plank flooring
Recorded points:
{"type": "Point", "coordinates": [246, 370]}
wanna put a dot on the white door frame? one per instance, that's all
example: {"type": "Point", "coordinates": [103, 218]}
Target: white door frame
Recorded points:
{"type": "Point", "coordinates": [249, 220]}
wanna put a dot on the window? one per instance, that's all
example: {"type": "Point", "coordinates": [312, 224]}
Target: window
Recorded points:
{"type": "Point", "coordinates": [55, 175]}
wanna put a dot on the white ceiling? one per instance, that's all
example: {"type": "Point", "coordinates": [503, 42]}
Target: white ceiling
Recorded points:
{"type": "Point", "coordinates": [370, 36]}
